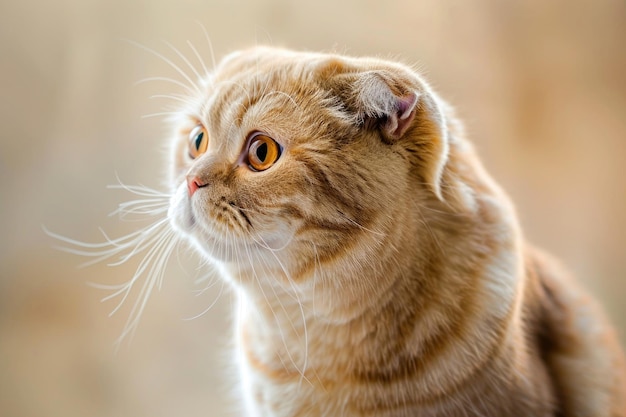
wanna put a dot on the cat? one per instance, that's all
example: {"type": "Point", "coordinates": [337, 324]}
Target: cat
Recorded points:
{"type": "Point", "coordinates": [380, 271]}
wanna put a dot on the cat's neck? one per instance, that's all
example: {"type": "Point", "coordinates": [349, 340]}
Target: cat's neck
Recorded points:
{"type": "Point", "coordinates": [435, 297]}
{"type": "Point", "coordinates": [416, 302]}
{"type": "Point", "coordinates": [284, 342]}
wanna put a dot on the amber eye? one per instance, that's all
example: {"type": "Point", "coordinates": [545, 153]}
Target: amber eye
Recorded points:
{"type": "Point", "coordinates": [198, 141]}
{"type": "Point", "coordinates": [263, 152]}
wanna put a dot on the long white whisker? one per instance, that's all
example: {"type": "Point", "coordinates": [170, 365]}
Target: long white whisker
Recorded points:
{"type": "Point", "coordinates": [164, 258]}
{"type": "Point", "coordinates": [150, 205]}
{"type": "Point", "coordinates": [276, 318]}
{"type": "Point", "coordinates": [155, 242]}
{"type": "Point", "coordinates": [140, 189]}
{"type": "Point", "coordinates": [207, 287]}
{"type": "Point", "coordinates": [160, 114]}
{"type": "Point", "coordinates": [154, 276]}
{"type": "Point", "coordinates": [169, 62]}
{"type": "Point", "coordinates": [302, 314]}
{"type": "Point", "coordinates": [140, 270]}
{"type": "Point", "coordinates": [169, 80]}
{"type": "Point", "coordinates": [143, 244]}
{"type": "Point", "coordinates": [184, 58]}
{"type": "Point", "coordinates": [198, 57]}
{"type": "Point", "coordinates": [208, 39]}
{"type": "Point", "coordinates": [219, 295]}
{"type": "Point", "coordinates": [264, 245]}
{"type": "Point", "coordinates": [171, 97]}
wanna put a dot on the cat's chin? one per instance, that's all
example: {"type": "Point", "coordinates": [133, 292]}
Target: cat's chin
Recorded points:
{"type": "Point", "coordinates": [219, 245]}
{"type": "Point", "coordinates": [223, 249]}
{"type": "Point", "coordinates": [214, 248]}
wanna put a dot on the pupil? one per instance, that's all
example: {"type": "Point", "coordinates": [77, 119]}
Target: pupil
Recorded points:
{"type": "Point", "coordinates": [198, 140]}
{"type": "Point", "coordinates": [261, 152]}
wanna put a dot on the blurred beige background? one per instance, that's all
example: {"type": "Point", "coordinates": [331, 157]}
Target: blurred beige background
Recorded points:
{"type": "Point", "coordinates": [540, 85]}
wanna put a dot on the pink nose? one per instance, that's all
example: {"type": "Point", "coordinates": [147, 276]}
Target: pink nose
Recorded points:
{"type": "Point", "coordinates": [193, 183]}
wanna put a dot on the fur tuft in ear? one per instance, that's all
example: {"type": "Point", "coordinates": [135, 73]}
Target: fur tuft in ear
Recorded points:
{"type": "Point", "coordinates": [380, 97]}
{"type": "Point", "coordinates": [399, 121]}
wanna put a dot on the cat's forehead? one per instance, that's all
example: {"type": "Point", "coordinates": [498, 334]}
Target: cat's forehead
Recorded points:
{"type": "Point", "coordinates": [260, 69]}
{"type": "Point", "coordinates": [264, 89]}
{"type": "Point", "coordinates": [267, 61]}
{"type": "Point", "coordinates": [264, 73]}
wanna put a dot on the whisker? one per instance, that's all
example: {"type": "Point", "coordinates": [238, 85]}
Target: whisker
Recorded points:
{"type": "Point", "coordinates": [199, 58]}
{"type": "Point", "coordinates": [219, 295]}
{"type": "Point", "coordinates": [169, 62]}
{"type": "Point", "coordinates": [160, 114]}
{"type": "Point", "coordinates": [140, 189]}
{"type": "Point", "coordinates": [207, 287]}
{"type": "Point", "coordinates": [173, 241]}
{"type": "Point", "coordinates": [168, 80]}
{"type": "Point", "coordinates": [142, 244]}
{"type": "Point", "coordinates": [153, 277]}
{"type": "Point", "coordinates": [155, 243]}
{"type": "Point", "coordinates": [184, 58]}
{"type": "Point", "coordinates": [178, 98]}
{"type": "Point", "coordinates": [147, 210]}
{"type": "Point", "coordinates": [145, 207]}
{"type": "Point", "coordinates": [302, 314]}
{"type": "Point", "coordinates": [208, 40]}
{"type": "Point", "coordinates": [276, 318]}
{"type": "Point", "coordinates": [264, 245]}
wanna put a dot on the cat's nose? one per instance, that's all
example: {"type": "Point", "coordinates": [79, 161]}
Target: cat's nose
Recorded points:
{"type": "Point", "coordinates": [193, 183]}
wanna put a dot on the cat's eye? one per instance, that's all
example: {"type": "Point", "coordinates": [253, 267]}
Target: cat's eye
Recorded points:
{"type": "Point", "coordinates": [198, 141]}
{"type": "Point", "coordinates": [263, 152]}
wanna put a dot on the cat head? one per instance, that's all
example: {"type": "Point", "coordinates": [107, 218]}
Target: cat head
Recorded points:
{"type": "Point", "coordinates": [290, 159]}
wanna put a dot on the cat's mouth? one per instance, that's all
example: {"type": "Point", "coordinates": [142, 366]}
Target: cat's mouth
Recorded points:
{"type": "Point", "coordinates": [220, 228]}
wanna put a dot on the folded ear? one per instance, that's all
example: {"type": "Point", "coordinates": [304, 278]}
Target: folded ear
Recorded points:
{"type": "Point", "coordinates": [405, 111]}
{"type": "Point", "coordinates": [392, 108]}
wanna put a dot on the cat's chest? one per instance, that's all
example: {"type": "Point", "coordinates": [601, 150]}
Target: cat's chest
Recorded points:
{"type": "Point", "coordinates": [267, 398]}
{"type": "Point", "coordinates": [290, 378]}
{"type": "Point", "coordinates": [296, 372]}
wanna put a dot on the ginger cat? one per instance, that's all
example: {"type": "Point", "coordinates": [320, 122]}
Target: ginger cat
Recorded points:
{"type": "Point", "coordinates": [380, 270]}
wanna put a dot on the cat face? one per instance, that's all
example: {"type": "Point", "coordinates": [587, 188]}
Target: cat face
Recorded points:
{"type": "Point", "coordinates": [288, 158]}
